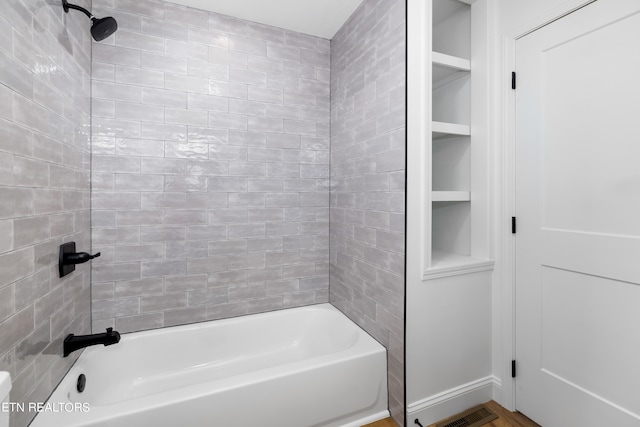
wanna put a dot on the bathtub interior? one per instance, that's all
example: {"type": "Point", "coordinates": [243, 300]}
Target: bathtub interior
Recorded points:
{"type": "Point", "coordinates": [308, 366]}
{"type": "Point", "coordinates": [153, 362]}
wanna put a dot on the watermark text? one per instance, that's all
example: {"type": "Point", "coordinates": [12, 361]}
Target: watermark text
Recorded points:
{"type": "Point", "coordinates": [37, 407]}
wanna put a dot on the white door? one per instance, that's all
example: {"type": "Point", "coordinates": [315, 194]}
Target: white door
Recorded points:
{"type": "Point", "coordinates": [578, 211]}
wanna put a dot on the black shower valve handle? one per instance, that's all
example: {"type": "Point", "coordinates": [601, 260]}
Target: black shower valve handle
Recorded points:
{"type": "Point", "coordinates": [79, 257]}
{"type": "Point", "coordinates": [68, 258]}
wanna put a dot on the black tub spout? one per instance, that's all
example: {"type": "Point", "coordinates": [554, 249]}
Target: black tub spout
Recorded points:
{"type": "Point", "coordinates": [73, 342]}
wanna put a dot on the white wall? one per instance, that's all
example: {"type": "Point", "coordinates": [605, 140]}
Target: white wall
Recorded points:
{"type": "Point", "coordinates": [517, 15]}
{"type": "Point", "coordinates": [513, 14]}
{"type": "Point", "coordinates": [448, 346]}
{"type": "Point", "coordinates": [449, 319]}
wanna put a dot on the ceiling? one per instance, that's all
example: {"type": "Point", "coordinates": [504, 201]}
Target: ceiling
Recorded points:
{"type": "Point", "coordinates": [322, 18]}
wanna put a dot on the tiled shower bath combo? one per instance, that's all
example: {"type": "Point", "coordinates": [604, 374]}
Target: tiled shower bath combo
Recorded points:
{"type": "Point", "coordinates": [220, 167]}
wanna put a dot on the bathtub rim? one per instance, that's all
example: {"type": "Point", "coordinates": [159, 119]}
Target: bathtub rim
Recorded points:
{"type": "Point", "coordinates": [325, 306]}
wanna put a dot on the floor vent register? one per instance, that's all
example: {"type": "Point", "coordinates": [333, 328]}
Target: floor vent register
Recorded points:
{"type": "Point", "coordinates": [474, 417]}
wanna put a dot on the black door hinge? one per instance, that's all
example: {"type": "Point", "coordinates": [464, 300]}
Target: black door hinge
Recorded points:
{"type": "Point", "coordinates": [513, 225]}
{"type": "Point", "coordinates": [513, 369]}
{"type": "Point", "coordinates": [513, 80]}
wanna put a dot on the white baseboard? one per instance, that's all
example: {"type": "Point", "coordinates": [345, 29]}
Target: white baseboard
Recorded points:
{"type": "Point", "coordinates": [450, 402]}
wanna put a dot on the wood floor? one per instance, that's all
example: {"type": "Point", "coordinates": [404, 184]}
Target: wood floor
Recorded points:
{"type": "Point", "coordinates": [387, 422]}
{"type": "Point", "coordinates": [507, 419]}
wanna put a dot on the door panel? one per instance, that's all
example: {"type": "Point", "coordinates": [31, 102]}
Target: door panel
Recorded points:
{"type": "Point", "coordinates": [590, 156]}
{"type": "Point", "coordinates": [601, 255]}
{"type": "Point", "coordinates": [578, 208]}
{"type": "Point", "coordinates": [577, 339]}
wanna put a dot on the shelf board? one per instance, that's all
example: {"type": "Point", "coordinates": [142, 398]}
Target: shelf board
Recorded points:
{"type": "Point", "coordinates": [450, 196]}
{"type": "Point", "coordinates": [447, 67]}
{"type": "Point", "coordinates": [445, 264]}
{"type": "Point", "coordinates": [447, 130]}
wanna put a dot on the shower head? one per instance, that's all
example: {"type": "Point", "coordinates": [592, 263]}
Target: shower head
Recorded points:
{"type": "Point", "coordinates": [103, 28]}
{"type": "Point", "coordinates": [100, 28]}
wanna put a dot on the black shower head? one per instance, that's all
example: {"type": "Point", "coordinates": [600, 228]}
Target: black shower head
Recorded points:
{"type": "Point", "coordinates": [103, 28]}
{"type": "Point", "coordinates": [100, 28]}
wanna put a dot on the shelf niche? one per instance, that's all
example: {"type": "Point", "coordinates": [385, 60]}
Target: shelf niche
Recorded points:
{"type": "Point", "coordinates": [455, 172]}
{"type": "Point", "coordinates": [447, 68]}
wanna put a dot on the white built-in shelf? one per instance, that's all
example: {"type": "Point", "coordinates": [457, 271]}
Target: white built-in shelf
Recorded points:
{"type": "Point", "coordinates": [446, 67]}
{"type": "Point", "coordinates": [450, 196]}
{"type": "Point", "coordinates": [445, 264]}
{"type": "Point", "coordinates": [448, 130]}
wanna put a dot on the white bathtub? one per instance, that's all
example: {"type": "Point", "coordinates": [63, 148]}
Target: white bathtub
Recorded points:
{"type": "Point", "coordinates": [301, 367]}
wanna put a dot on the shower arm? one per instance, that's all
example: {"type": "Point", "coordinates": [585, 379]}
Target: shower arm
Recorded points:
{"type": "Point", "coordinates": [66, 6]}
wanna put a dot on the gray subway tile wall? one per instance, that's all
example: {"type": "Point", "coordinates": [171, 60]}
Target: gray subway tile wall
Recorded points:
{"type": "Point", "coordinates": [210, 167]}
{"type": "Point", "coordinates": [45, 85]}
{"type": "Point", "coordinates": [367, 178]}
